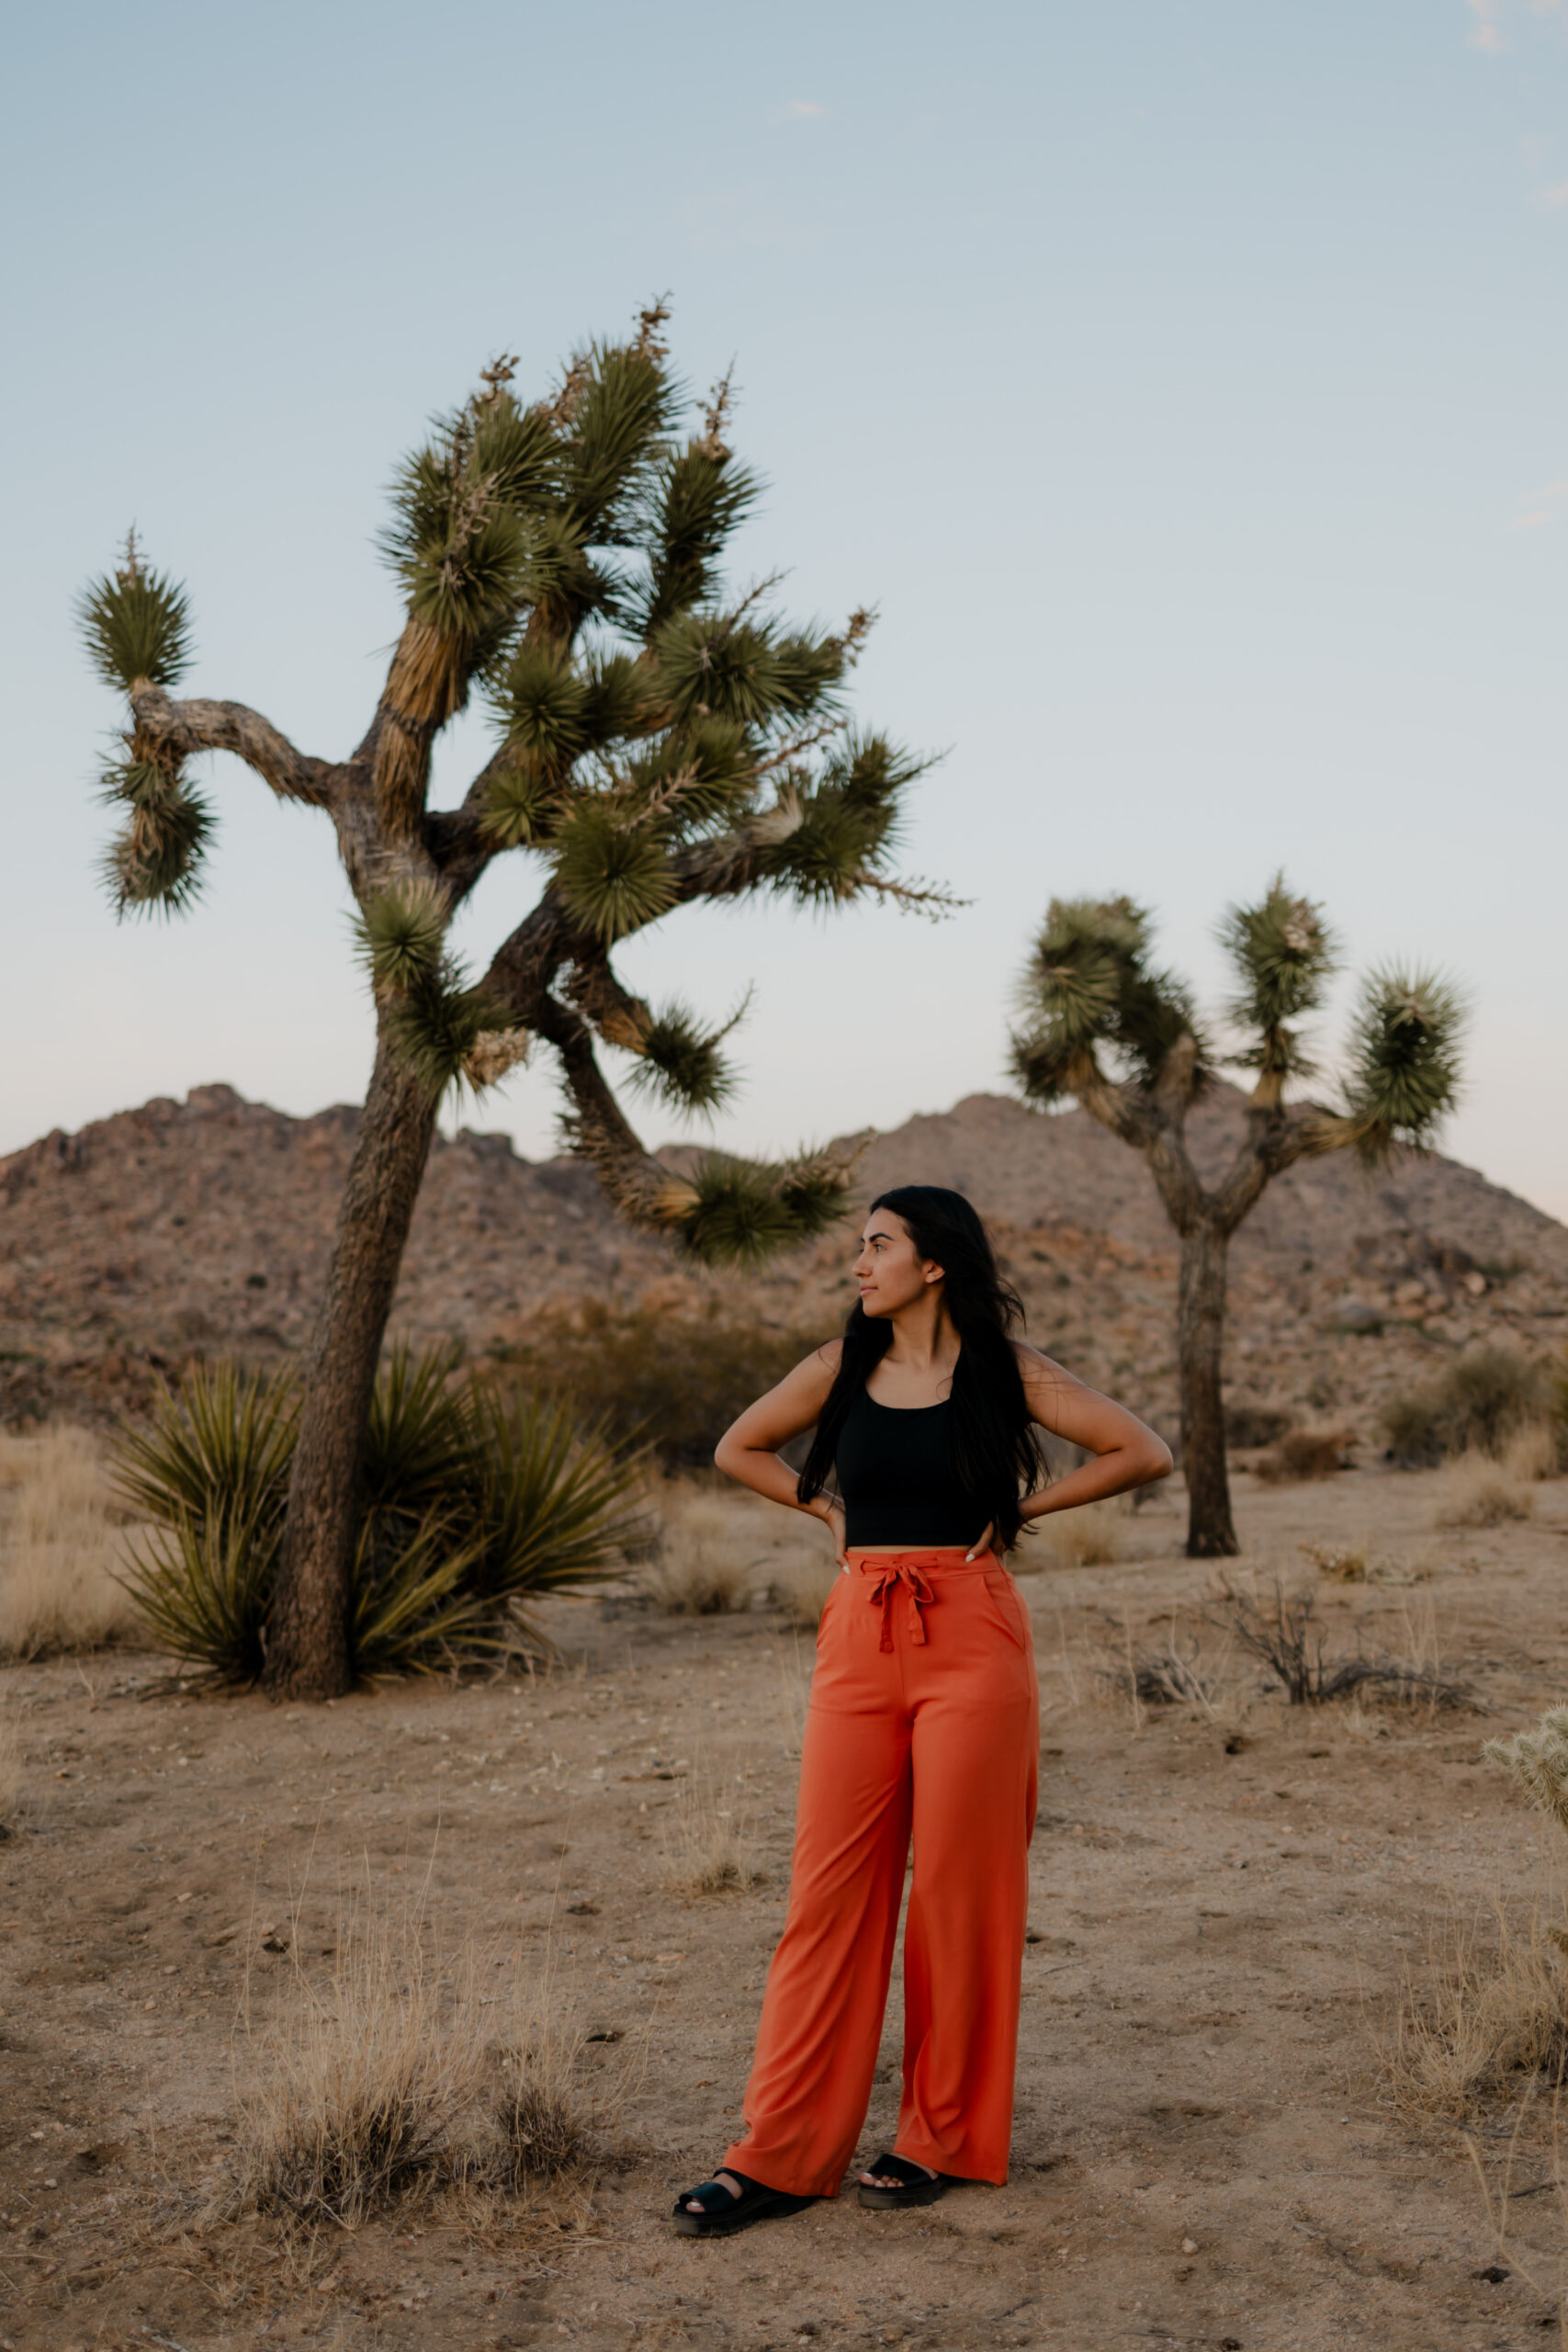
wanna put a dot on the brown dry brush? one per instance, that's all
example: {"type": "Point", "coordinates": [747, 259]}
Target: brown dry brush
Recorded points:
{"type": "Point", "coordinates": [1281, 1634]}
{"type": "Point", "coordinates": [1168, 1676]}
{"type": "Point", "coordinates": [1304, 1454]}
{"type": "Point", "coordinates": [1486, 2018]}
{"type": "Point", "coordinates": [385, 2081]}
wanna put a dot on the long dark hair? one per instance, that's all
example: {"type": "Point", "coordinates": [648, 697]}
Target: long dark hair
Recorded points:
{"type": "Point", "coordinates": [997, 1455]}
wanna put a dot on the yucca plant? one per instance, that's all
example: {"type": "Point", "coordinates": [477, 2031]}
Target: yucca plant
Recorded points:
{"type": "Point", "coordinates": [1104, 1026]}
{"type": "Point", "coordinates": [659, 740]}
{"type": "Point", "coordinates": [470, 1504]}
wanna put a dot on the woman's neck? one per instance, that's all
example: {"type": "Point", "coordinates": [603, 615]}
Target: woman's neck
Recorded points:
{"type": "Point", "coordinates": [924, 1337]}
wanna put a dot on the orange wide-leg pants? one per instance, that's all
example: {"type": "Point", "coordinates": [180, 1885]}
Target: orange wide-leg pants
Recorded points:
{"type": "Point", "coordinates": [924, 1716]}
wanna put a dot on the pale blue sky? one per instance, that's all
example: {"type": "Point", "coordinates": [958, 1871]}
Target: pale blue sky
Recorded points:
{"type": "Point", "coordinates": [1188, 385]}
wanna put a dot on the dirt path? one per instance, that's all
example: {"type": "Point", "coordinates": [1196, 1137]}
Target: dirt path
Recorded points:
{"type": "Point", "coordinates": [1206, 2153]}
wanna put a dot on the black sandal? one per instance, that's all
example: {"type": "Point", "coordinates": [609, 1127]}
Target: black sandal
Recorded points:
{"type": "Point", "coordinates": [916, 2185]}
{"type": "Point", "coordinates": [723, 2212]}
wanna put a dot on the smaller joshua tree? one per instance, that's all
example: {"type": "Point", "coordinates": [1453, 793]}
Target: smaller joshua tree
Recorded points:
{"type": "Point", "coordinates": [1104, 1028]}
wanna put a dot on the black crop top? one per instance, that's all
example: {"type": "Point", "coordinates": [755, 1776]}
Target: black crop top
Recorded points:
{"type": "Point", "coordinates": [895, 1470]}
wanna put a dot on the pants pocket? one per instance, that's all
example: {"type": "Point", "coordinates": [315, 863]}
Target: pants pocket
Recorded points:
{"type": "Point", "coordinates": [1005, 1607]}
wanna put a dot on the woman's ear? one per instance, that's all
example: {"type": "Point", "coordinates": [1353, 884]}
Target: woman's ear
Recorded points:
{"type": "Point", "coordinates": [935, 1273]}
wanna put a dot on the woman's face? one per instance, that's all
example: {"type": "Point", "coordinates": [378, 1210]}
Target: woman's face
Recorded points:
{"type": "Point", "coordinates": [890, 1272]}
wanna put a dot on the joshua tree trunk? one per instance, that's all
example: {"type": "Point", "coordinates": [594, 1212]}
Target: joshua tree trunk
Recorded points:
{"type": "Point", "coordinates": [308, 1637]}
{"type": "Point", "coordinates": [1200, 1339]}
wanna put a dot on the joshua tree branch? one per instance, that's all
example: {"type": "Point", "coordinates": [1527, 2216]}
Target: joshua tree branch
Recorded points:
{"type": "Point", "coordinates": [620, 1018]}
{"type": "Point", "coordinates": [1276, 1138]}
{"type": "Point", "coordinates": [645, 1192]}
{"type": "Point", "coordinates": [233, 726]}
{"type": "Point", "coordinates": [1125, 1110]}
{"type": "Point", "coordinates": [458, 839]}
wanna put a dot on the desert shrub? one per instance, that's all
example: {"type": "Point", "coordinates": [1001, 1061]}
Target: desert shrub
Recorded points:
{"type": "Point", "coordinates": [1279, 1632]}
{"type": "Point", "coordinates": [474, 1505]}
{"type": "Point", "coordinates": [1249, 1424]}
{"type": "Point", "coordinates": [1485, 2013]}
{"type": "Point", "coordinates": [60, 1547]}
{"type": "Point", "coordinates": [1480, 1401]}
{"type": "Point", "coordinates": [1302, 1454]}
{"type": "Point", "coordinates": [364, 2087]}
{"type": "Point", "coordinates": [1164, 1677]}
{"type": "Point", "coordinates": [1480, 1491]}
{"type": "Point", "coordinates": [673, 1379]}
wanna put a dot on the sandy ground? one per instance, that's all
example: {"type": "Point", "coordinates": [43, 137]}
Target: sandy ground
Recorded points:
{"type": "Point", "coordinates": [1206, 2152]}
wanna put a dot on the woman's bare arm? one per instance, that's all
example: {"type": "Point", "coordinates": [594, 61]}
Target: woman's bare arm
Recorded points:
{"type": "Point", "coordinates": [1126, 1451]}
{"type": "Point", "coordinates": [749, 1450]}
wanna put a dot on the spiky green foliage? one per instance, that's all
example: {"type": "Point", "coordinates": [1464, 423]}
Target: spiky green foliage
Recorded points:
{"type": "Point", "coordinates": [210, 1470]}
{"type": "Point", "coordinates": [1284, 955]}
{"type": "Point", "coordinates": [436, 1023]}
{"type": "Point", "coordinates": [153, 864]}
{"type": "Point", "coordinates": [662, 736]}
{"type": "Point", "coordinates": [1405, 1056]}
{"type": "Point", "coordinates": [558, 1508]}
{"type": "Point", "coordinates": [1089, 983]}
{"type": "Point", "coordinates": [681, 1061]}
{"type": "Point", "coordinates": [613, 872]}
{"type": "Point", "coordinates": [744, 1211]}
{"type": "Point", "coordinates": [845, 820]}
{"type": "Point", "coordinates": [518, 804]}
{"type": "Point", "coordinates": [136, 624]}
{"type": "Point", "coordinates": [619, 404]}
{"type": "Point", "coordinates": [697, 501]}
{"type": "Point", "coordinates": [400, 933]}
{"type": "Point", "coordinates": [473, 1505]}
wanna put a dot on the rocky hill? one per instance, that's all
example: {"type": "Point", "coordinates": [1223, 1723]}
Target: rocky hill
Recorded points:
{"type": "Point", "coordinates": [203, 1227]}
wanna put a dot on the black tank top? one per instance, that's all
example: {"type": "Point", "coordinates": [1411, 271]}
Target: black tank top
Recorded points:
{"type": "Point", "coordinates": [895, 1475]}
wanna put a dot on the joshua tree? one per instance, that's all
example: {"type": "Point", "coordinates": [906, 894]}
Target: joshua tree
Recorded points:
{"type": "Point", "coordinates": [656, 743]}
{"type": "Point", "coordinates": [1102, 1027]}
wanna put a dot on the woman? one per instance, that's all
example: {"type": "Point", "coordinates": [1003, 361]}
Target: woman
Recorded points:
{"type": "Point", "coordinates": [924, 1715]}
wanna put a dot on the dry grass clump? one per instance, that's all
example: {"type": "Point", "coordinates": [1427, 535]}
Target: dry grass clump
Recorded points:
{"type": "Point", "coordinates": [61, 1547]}
{"type": "Point", "coordinates": [547, 2124]}
{"type": "Point", "coordinates": [707, 1850]}
{"type": "Point", "coordinates": [1484, 2014]}
{"type": "Point", "coordinates": [699, 1571]}
{"type": "Point", "coordinates": [1355, 1563]}
{"type": "Point", "coordinates": [1302, 1454]}
{"type": "Point", "coordinates": [364, 2087]}
{"type": "Point", "coordinates": [1165, 1677]}
{"type": "Point", "coordinates": [1480, 1491]}
{"type": "Point", "coordinates": [1089, 1537]}
{"type": "Point", "coordinates": [1340, 1563]}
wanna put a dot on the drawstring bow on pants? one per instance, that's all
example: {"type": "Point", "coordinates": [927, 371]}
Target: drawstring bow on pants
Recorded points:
{"type": "Point", "coordinates": [892, 1576]}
